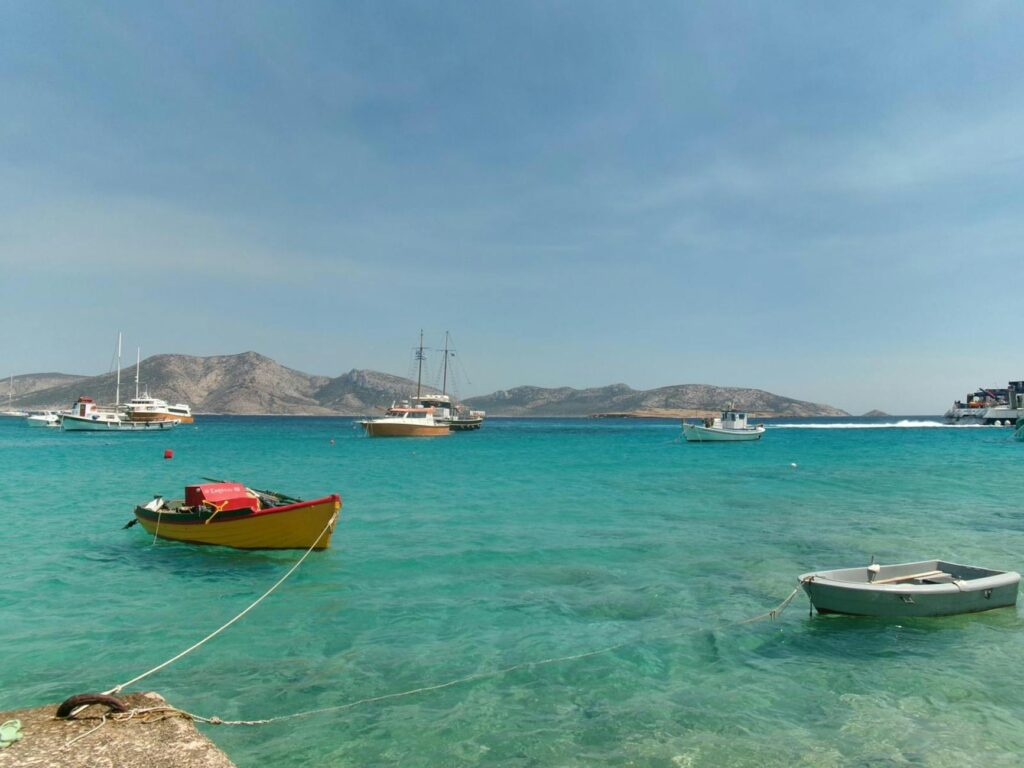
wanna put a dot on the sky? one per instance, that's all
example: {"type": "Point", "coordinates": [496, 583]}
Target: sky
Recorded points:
{"type": "Point", "coordinates": [823, 200]}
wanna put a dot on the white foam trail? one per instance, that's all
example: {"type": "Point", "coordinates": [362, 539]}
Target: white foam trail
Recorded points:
{"type": "Point", "coordinates": [901, 424]}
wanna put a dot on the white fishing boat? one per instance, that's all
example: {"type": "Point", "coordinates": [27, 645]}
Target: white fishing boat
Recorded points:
{"type": "Point", "coordinates": [43, 419]}
{"type": "Point", "coordinates": [926, 588]}
{"type": "Point", "coordinates": [731, 426]}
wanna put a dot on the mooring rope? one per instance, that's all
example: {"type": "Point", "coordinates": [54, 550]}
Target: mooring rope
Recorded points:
{"type": "Point", "coordinates": [215, 720]}
{"type": "Point", "coordinates": [260, 599]}
{"type": "Point", "coordinates": [773, 614]}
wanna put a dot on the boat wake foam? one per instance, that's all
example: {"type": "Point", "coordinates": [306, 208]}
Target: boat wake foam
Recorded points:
{"type": "Point", "coordinates": [901, 424]}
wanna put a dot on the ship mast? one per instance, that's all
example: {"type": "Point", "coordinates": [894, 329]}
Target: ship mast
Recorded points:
{"type": "Point", "coordinates": [444, 379]}
{"type": "Point", "coordinates": [117, 392]}
{"type": "Point", "coordinates": [419, 372]}
{"type": "Point", "coordinates": [138, 358]}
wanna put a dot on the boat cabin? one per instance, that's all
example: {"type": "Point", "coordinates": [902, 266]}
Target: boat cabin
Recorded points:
{"type": "Point", "coordinates": [402, 412]}
{"type": "Point", "coordinates": [734, 420]}
{"type": "Point", "coordinates": [728, 420]}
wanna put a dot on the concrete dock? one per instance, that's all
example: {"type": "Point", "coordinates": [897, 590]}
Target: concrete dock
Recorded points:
{"type": "Point", "coordinates": [153, 740]}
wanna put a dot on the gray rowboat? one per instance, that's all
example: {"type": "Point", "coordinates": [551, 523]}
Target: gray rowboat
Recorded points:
{"type": "Point", "coordinates": [926, 588]}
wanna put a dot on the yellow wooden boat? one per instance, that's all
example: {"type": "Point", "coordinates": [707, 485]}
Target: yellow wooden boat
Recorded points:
{"type": "Point", "coordinates": [231, 515]}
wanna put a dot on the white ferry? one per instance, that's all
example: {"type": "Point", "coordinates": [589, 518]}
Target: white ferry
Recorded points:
{"type": "Point", "coordinates": [996, 407]}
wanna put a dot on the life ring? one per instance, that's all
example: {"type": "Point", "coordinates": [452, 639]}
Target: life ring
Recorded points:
{"type": "Point", "coordinates": [65, 710]}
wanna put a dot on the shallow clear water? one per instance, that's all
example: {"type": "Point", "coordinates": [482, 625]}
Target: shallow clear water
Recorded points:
{"type": "Point", "coordinates": [526, 541]}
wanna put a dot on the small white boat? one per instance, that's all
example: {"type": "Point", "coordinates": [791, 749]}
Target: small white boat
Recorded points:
{"type": "Point", "coordinates": [926, 588]}
{"type": "Point", "coordinates": [730, 427]}
{"type": "Point", "coordinates": [43, 419]}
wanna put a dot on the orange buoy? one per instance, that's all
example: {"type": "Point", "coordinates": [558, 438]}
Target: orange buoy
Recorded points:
{"type": "Point", "coordinates": [168, 454]}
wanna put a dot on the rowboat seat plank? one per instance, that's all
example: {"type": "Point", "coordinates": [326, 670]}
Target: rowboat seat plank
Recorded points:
{"type": "Point", "coordinates": [909, 577]}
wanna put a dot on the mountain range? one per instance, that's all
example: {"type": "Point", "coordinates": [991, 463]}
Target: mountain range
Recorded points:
{"type": "Point", "coordinates": [250, 383]}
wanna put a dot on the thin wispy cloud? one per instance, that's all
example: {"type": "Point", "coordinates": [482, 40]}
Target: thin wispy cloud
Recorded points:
{"type": "Point", "coordinates": [728, 193]}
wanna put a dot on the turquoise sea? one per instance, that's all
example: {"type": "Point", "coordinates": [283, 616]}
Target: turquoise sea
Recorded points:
{"type": "Point", "coordinates": [528, 541]}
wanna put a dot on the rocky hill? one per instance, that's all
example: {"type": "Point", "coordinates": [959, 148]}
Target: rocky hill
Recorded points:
{"type": "Point", "coordinates": [250, 383]}
{"type": "Point", "coordinates": [683, 400]}
{"type": "Point", "coordinates": [34, 382]}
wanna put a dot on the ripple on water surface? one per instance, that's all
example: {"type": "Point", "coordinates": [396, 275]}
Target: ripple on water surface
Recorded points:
{"type": "Point", "coordinates": [515, 548]}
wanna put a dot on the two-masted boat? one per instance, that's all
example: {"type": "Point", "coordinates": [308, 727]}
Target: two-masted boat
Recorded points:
{"type": "Point", "coordinates": [232, 515]}
{"type": "Point", "coordinates": [425, 415]}
{"type": "Point", "coordinates": [87, 416]}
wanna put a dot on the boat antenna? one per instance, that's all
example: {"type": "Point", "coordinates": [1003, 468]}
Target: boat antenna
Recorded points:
{"type": "Point", "coordinates": [419, 370]}
{"type": "Point", "coordinates": [138, 358]}
{"type": "Point", "coordinates": [117, 392]}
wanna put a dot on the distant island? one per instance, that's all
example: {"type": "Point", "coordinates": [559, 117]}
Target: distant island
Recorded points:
{"type": "Point", "coordinates": [250, 383]}
{"type": "Point", "coordinates": [875, 414]}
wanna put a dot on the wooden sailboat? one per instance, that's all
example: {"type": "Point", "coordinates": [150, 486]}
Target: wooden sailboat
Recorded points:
{"type": "Point", "coordinates": [414, 420]}
{"type": "Point", "coordinates": [458, 418]}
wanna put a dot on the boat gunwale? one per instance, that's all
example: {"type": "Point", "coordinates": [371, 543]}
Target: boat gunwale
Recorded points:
{"type": "Point", "coordinates": [229, 516]}
{"type": "Point", "coordinates": [991, 579]}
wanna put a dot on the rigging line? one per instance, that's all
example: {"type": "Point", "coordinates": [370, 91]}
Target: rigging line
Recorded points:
{"type": "Point", "coordinates": [279, 582]}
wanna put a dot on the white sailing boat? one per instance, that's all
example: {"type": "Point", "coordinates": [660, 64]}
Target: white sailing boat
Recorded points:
{"type": "Point", "coordinates": [408, 420]}
{"type": "Point", "coordinates": [457, 417]}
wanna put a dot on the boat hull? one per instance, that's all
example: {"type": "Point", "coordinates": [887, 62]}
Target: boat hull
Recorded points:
{"type": "Point", "coordinates": [296, 526]}
{"type": "Point", "coordinates": [464, 425]}
{"type": "Point", "coordinates": [43, 421]}
{"type": "Point", "coordinates": [829, 593]}
{"type": "Point", "coordinates": [390, 429]}
{"type": "Point", "coordinates": [87, 424]}
{"type": "Point", "coordinates": [151, 417]}
{"type": "Point", "coordinates": [695, 433]}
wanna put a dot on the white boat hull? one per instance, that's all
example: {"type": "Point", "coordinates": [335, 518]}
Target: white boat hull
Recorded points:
{"type": "Point", "coordinates": [39, 420]}
{"type": "Point", "coordinates": [694, 433]}
{"type": "Point", "coordinates": [958, 589]}
{"type": "Point", "coordinates": [88, 424]}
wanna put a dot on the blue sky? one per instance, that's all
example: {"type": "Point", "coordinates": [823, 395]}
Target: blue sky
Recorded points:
{"type": "Point", "coordinates": [822, 200]}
